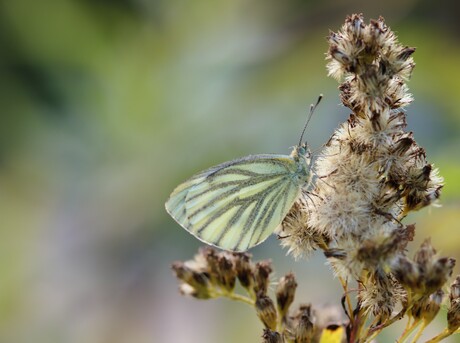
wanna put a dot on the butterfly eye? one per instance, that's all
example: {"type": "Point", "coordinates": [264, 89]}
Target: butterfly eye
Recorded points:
{"type": "Point", "coordinates": [303, 149]}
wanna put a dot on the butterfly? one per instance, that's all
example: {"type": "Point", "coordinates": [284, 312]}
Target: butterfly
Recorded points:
{"type": "Point", "coordinates": [238, 204]}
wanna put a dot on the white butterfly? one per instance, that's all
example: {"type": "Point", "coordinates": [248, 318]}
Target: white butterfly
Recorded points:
{"type": "Point", "coordinates": [238, 204]}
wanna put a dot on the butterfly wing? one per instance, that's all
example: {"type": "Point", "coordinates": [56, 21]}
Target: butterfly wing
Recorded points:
{"type": "Point", "coordinates": [238, 204]}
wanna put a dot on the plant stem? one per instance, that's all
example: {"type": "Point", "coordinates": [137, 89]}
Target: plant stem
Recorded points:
{"type": "Point", "coordinates": [234, 296]}
{"type": "Point", "coordinates": [441, 336]}
{"type": "Point", "coordinates": [419, 332]}
{"type": "Point", "coordinates": [370, 335]}
{"type": "Point", "coordinates": [347, 299]}
{"type": "Point", "coordinates": [408, 330]}
{"type": "Point", "coordinates": [360, 322]}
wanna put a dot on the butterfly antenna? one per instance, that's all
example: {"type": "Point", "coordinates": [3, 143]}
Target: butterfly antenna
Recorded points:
{"type": "Point", "coordinates": [312, 109]}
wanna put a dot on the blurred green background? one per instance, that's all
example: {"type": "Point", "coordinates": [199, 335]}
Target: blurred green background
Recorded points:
{"type": "Point", "coordinates": [107, 105]}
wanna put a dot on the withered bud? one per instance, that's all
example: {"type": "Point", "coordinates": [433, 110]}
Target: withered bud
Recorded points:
{"type": "Point", "coordinates": [406, 53]}
{"type": "Point", "coordinates": [433, 305]}
{"type": "Point", "coordinates": [380, 294]}
{"type": "Point", "coordinates": [438, 275]}
{"type": "Point", "coordinates": [285, 292]}
{"type": "Point", "coordinates": [304, 330]}
{"type": "Point", "coordinates": [455, 289]}
{"type": "Point", "coordinates": [425, 173]}
{"type": "Point", "coordinates": [266, 311]}
{"type": "Point", "coordinates": [377, 28]}
{"type": "Point", "coordinates": [262, 276]}
{"type": "Point", "coordinates": [453, 315]}
{"type": "Point", "coordinates": [371, 252]}
{"type": "Point", "coordinates": [391, 194]}
{"type": "Point", "coordinates": [400, 238]}
{"type": "Point", "coordinates": [402, 145]}
{"type": "Point", "coordinates": [429, 272]}
{"type": "Point", "coordinates": [408, 234]}
{"type": "Point", "coordinates": [244, 270]}
{"type": "Point", "coordinates": [211, 257]}
{"type": "Point", "coordinates": [346, 98]}
{"type": "Point", "coordinates": [422, 188]}
{"type": "Point", "coordinates": [355, 24]}
{"type": "Point", "coordinates": [375, 121]}
{"type": "Point", "coordinates": [398, 120]}
{"type": "Point", "coordinates": [418, 307]}
{"type": "Point", "coordinates": [227, 273]}
{"type": "Point", "coordinates": [425, 253]}
{"type": "Point", "coordinates": [339, 55]}
{"type": "Point", "coordinates": [195, 283]}
{"type": "Point", "coordinates": [333, 37]}
{"type": "Point", "coordinates": [406, 272]}
{"type": "Point", "coordinates": [270, 336]}
{"type": "Point", "coordinates": [428, 307]}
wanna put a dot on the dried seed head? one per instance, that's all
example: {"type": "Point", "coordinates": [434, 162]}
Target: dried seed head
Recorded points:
{"type": "Point", "coordinates": [426, 274]}
{"type": "Point", "coordinates": [453, 315]}
{"type": "Point", "coordinates": [380, 294]}
{"type": "Point", "coordinates": [406, 272]}
{"type": "Point", "coordinates": [208, 270]}
{"type": "Point", "coordinates": [210, 257]}
{"type": "Point", "coordinates": [295, 235]}
{"type": "Point", "coordinates": [262, 276]}
{"type": "Point", "coordinates": [244, 270]}
{"type": "Point", "coordinates": [270, 336]}
{"type": "Point", "coordinates": [370, 52]}
{"type": "Point", "coordinates": [227, 273]}
{"type": "Point", "coordinates": [429, 307]}
{"type": "Point", "coordinates": [304, 330]}
{"type": "Point", "coordinates": [425, 254]}
{"type": "Point", "coordinates": [439, 274]}
{"type": "Point", "coordinates": [221, 268]}
{"type": "Point", "coordinates": [376, 251]}
{"type": "Point", "coordinates": [285, 292]}
{"type": "Point", "coordinates": [422, 184]}
{"type": "Point", "coordinates": [370, 251]}
{"type": "Point", "coordinates": [435, 303]}
{"type": "Point", "coordinates": [455, 289]}
{"type": "Point", "coordinates": [266, 311]}
{"type": "Point", "coordinates": [194, 283]}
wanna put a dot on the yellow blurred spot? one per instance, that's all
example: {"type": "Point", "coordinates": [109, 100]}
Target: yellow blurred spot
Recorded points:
{"type": "Point", "coordinates": [332, 334]}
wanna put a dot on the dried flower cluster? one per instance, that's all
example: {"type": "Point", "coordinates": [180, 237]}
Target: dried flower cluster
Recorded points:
{"type": "Point", "coordinates": [370, 175]}
{"type": "Point", "coordinates": [213, 274]}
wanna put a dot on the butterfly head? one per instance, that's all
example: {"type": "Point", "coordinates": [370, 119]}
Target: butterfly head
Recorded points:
{"type": "Point", "coordinates": [301, 152]}
{"type": "Point", "coordinates": [301, 155]}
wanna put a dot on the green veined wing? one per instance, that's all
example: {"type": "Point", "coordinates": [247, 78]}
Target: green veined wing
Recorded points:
{"type": "Point", "coordinates": [238, 204]}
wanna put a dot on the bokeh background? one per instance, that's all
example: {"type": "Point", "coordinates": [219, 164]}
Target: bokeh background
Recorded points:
{"type": "Point", "coordinates": [107, 105]}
